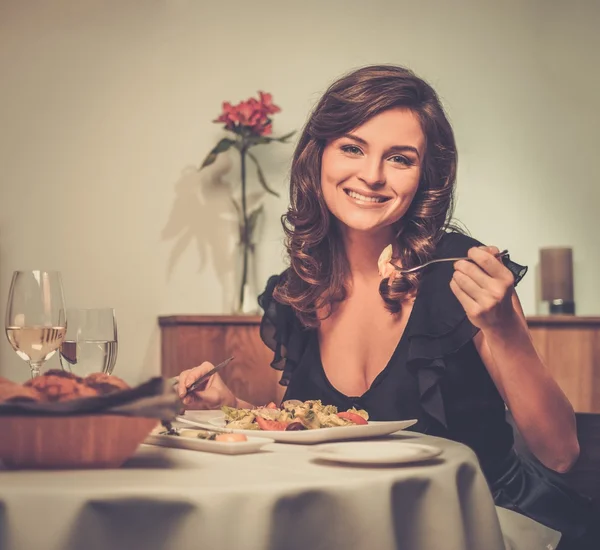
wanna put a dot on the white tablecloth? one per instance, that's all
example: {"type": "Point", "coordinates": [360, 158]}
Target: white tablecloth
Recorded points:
{"type": "Point", "coordinates": [277, 499]}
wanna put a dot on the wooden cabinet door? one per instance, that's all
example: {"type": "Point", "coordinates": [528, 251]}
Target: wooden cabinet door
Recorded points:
{"type": "Point", "coordinates": [570, 348]}
{"type": "Point", "coordinates": [188, 340]}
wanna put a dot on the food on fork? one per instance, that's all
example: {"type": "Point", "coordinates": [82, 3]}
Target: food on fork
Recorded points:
{"type": "Point", "coordinates": [383, 263]}
{"type": "Point", "coordinates": [293, 415]}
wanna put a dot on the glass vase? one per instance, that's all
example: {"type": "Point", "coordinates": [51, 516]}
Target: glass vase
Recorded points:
{"type": "Point", "coordinates": [245, 288]}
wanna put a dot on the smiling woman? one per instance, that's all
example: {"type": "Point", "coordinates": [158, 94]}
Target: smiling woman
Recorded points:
{"type": "Point", "coordinates": [375, 169]}
{"type": "Point", "coordinates": [369, 182]}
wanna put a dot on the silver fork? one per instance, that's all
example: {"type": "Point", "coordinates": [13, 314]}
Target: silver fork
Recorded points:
{"type": "Point", "coordinates": [175, 380]}
{"type": "Point", "coordinates": [502, 254]}
{"type": "Point", "coordinates": [205, 376]}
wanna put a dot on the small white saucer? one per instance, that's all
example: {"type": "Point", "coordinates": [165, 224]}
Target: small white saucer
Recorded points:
{"type": "Point", "coordinates": [376, 452]}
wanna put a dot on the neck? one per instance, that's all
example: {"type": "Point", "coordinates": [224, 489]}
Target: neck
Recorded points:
{"type": "Point", "coordinates": [363, 250]}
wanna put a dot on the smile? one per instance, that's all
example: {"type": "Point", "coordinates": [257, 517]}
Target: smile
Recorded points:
{"type": "Point", "coordinates": [365, 199]}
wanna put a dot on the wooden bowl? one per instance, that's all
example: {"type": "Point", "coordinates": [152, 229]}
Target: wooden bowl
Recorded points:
{"type": "Point", "coordinates": [86, 441]}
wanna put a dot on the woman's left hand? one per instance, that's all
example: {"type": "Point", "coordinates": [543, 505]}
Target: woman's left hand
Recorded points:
{"type": "Point", "coordinates": [484, 288]}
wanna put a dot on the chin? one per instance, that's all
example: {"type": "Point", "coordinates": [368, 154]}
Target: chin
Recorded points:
{"type": "Point", "coordinates": [364, 224]}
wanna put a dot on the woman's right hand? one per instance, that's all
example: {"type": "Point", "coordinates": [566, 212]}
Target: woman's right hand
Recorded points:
{"type": "Point", "coordinates": [211, 394]}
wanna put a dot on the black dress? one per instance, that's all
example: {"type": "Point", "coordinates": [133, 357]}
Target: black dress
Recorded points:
{"type": "Point", "coordinates": [435, 375]}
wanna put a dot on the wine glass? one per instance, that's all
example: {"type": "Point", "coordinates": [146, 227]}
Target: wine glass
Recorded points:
{"type": "Point", "coordinates": [91, 341]}
{"type": "Point", "coordinates": [35, 316]}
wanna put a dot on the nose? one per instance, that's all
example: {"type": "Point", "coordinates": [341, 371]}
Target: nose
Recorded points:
{"type": "Point", "coordinates": [371, 172]}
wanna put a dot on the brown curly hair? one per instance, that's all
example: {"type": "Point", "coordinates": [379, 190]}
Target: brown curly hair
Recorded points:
{"type": "Point", "coordinates": [319, 268]}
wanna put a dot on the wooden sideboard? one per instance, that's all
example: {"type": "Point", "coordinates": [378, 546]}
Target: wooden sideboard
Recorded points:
{"type": "Point", "coordinates": [188, 340]}
{"type": "Point", "coordinates": [569, 345]}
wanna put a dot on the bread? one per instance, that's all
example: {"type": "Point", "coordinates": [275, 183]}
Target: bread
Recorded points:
{"type": "Point", "coordinates": [11, 391]}
{"type": "Point", "coordinates": [58, 385]}
{"type": "Point", "coordinates": [105, 383]}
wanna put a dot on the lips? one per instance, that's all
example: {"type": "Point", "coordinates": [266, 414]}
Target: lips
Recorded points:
{"type": "Point", "coordinates": [366, 196]}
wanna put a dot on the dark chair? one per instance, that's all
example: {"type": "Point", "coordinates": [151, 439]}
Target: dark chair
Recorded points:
{"type": "Point", "coordinates": [584, 477]}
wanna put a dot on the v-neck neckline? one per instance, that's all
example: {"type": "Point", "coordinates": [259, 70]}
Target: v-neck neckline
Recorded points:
{"type": "Point", "coordinates": [380, 375]}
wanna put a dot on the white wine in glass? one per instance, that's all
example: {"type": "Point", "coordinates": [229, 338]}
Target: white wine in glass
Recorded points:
{"type": "Point", "coordinates": [91, 343]}
{"type": "Point", "coordinates": [35, 316]}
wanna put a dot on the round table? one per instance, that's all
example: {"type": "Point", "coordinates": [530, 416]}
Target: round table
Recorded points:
{"type": "Point", "coordinates": [280, 498]}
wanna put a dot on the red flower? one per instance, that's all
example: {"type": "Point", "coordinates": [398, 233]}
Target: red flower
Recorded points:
{"type": "Point", "coordinates": [251, 115]}
{"type": "Point", "coordinates": [229, 116]}
{"type": "Point", "coordinates": [267, 103]}
{"type": "Point", "coordinates": [266, 130]}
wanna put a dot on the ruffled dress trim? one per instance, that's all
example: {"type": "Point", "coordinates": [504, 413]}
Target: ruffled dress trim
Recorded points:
{"type": "Point", "coordinates": [439, 325]}
{"type": "Point", "coordinates": [282, 332]}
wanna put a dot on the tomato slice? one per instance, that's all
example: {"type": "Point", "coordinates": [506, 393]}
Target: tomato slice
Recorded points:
{"type": "Point", "coordinates": [353, 417]}
{"type": "Point", "coordinates": [270, 425]}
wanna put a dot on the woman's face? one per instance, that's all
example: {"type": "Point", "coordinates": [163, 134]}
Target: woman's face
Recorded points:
{"type": "Point", "coordinates": [370, 176]}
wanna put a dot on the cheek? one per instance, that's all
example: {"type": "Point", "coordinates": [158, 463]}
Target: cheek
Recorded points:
{"type": "Point", "coordinates": [405, 187]}
{"type": "Point", "coordinates": [413, 190]}
{"type": "Point", "coordinates": [327, 185]}
{"type": "Point", "coordinates": [334, 169]}
{"type": "Point", "coordinates": [405, 184]}
{"type": "Point", "coordinates": [326, 162]}
{"type": "Point", "coordinates": [328, 191]}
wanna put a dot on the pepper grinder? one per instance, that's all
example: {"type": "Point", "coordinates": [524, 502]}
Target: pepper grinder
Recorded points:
{"type": "Point", "coordinates": [556, 268]}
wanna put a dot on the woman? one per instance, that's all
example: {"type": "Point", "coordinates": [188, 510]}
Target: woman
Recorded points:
{"type": "Point", "coordinates": [376, 166]}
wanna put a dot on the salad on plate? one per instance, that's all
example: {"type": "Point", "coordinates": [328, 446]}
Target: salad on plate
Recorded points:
{"type": "Point", "coordinates": [293, 415]}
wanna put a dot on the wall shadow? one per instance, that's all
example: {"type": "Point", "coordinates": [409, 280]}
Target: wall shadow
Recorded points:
{"type": "Point", "coordinates": [202, 216]}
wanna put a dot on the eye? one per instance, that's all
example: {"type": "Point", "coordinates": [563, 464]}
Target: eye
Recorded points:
{"type": "Point", "coordinates": [402, 160]}
{"type": "Point", "coordinates": [351, 149]}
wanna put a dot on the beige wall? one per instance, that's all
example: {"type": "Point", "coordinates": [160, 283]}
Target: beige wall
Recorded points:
{"type": "Point", "coordinates": [106, 108]}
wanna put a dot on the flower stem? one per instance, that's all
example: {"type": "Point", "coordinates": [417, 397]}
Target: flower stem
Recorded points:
{"type": "Point", "coordinates": [244, 235]}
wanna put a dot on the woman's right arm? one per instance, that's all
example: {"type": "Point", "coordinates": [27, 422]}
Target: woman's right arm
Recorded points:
{"type": "Point", "coordinates": [214, 393]}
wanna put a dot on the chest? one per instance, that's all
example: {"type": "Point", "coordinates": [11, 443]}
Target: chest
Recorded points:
{"type": "Point", "coordinates": [357, 342]}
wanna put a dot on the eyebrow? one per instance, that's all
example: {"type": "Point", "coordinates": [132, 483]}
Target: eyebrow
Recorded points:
{"type": "Point", "coordinates": [392, 149]}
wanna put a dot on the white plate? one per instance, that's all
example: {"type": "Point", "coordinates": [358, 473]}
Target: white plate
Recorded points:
{"type": "Point", "coordinates": [376, 452]}
{"type": "Point", "coordinates": [253, 444]}
{"type": "Point", "coordinates": [372, 429]}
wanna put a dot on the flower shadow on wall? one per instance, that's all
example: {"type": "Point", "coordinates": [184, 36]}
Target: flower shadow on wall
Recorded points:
{"type": "Point", "coordinates": [198, 219]}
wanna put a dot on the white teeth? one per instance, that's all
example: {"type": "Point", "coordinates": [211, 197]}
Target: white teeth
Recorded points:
{"type": "Point", "coordinates": [362, 198]}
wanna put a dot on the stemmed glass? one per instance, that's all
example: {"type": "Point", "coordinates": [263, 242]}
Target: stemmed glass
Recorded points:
{"type": "Point", "coordinates": [36, 321]}
{"type": "Point", "coordinates": [91, 341]}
